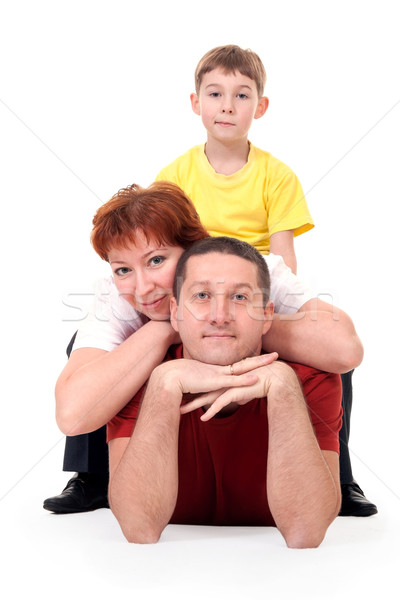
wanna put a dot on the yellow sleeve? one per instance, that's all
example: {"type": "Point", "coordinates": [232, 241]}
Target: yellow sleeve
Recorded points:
{"type": "Point", "coordinates": [286, 204]}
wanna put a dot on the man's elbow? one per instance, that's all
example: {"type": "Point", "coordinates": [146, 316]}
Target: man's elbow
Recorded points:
{"type": "Point", "coordinates": [136, 526]}
{"type": "Point", "coordinates": [299, 540]}
{"type": "Point", "coordinates": [138, 530]}
{"type": "Point", "coordinates": [305, 535]}
{"type": "Point", "coordinates": [135, 535]}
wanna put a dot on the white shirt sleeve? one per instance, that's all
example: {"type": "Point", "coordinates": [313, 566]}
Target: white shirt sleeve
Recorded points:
{"type": "Point", "coordinates": [288, 292]}
{"type": "Point", "coordinates": [110, 319]}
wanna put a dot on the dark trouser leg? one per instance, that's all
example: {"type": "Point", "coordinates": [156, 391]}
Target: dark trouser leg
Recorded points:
{"type": "Point", "coordinates": [346, 475]}
{"type": "Point", "coordinates": [354, 502]}
{"type": "Point", "coordinates": [87, 453]}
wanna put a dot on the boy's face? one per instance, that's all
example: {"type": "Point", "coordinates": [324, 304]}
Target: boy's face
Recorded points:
{"type": "Point", "coordinates": [227, 104]}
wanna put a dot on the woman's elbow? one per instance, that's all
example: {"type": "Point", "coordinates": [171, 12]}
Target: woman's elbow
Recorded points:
{"type": "Point", "coordinates": [68, 422]}
{"type": "Point", "coordinates": [351, 354]}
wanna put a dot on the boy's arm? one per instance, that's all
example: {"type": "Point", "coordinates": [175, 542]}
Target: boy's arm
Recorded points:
{"type": "Point", "coordinates": [282, 244]}
{"type": "Point", "coordinates": [319, 335]}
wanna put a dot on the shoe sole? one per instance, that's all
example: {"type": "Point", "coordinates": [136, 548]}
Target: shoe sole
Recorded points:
{"type": "Point", "coordinates": [368, 512]}
{"type": "Point", "coordinates": [67, 511]}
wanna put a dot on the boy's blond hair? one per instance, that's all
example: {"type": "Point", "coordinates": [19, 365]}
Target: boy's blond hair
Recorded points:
{"type": "Point", "coordinates": [230, 59]}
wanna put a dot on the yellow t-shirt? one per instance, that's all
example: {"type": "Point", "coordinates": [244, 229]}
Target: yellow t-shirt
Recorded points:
{"type": "Point", "coordinates": [262, 198]}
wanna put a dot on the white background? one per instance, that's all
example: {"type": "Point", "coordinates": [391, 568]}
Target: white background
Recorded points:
{"type": "Point", "coordinates": [94, 95]}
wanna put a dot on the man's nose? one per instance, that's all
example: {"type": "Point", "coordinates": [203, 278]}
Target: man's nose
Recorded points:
{"type": "Point", "coordinates": [220, 311]}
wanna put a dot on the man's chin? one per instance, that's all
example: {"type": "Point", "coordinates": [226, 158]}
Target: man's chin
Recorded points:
{"type": "Point", "coordinates": [216, 358]}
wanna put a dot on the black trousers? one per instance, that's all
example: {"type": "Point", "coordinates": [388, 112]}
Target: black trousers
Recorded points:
{"type": "Point", "coordinates": [88, 453]}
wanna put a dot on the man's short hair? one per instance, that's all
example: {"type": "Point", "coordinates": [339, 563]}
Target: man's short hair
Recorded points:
{"type": "Point", "coordinates": [230, 59]}
{"type": "Point", "coordinates": [224, 245]}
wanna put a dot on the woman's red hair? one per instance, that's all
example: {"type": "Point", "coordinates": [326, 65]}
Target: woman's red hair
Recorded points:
{"type": "Point", "coordinates": [162, 212]}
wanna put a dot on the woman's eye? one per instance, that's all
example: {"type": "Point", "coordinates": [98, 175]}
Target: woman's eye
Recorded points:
{"type": "Point", "coordinates": [155, 261]}
{"type": "Point", "coordinates": [121, 271]}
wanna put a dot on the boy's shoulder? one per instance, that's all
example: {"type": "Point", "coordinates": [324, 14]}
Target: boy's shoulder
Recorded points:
{"type": "Point", "coordinates": [257, 154]}
{"type": "Point", "coordinates": [193, 154]}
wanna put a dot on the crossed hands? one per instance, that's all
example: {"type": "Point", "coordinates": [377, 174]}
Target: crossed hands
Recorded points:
{"type": "Point", "coordinates": [218, 386]}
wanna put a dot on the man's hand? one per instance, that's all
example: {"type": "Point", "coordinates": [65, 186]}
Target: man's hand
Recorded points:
{"type": "Point", "coordinates": [184, 376]}
{"type": "Point", "coordinates": [269, 376]}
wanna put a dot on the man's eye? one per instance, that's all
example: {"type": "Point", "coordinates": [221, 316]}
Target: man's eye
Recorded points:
{"type": "Point", "coordinates": [202, 295]}
{"type": "Point", "coordinates": [240, 297]}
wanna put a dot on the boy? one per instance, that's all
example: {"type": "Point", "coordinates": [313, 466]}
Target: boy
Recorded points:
{"type": "Point", "coordinates": [244, 192]}
{"type": "Point", "coordinates": [237, 188]}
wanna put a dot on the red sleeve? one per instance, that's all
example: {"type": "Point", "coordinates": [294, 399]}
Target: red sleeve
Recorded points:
{"type": "Point", "coordinates": [323, 393]}
{"type": "Point", "coordinates": [123, 424]}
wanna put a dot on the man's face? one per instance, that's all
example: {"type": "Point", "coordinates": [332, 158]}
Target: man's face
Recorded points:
{"type": "Point", "coordinates": [220, 316]}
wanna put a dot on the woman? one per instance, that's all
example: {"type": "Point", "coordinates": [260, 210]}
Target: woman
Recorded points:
{"type": "Point", "coordinates": [142, 233]}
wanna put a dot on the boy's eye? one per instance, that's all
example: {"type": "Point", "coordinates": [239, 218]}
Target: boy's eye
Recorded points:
{"type": "Point", "coordinates": [156, 261]}
{"type": "Point", "coordinates": [214, 94]}
{"type": "Point", "coordinates": [242, 96]}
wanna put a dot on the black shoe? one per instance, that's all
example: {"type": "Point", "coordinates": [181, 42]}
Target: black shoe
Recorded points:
{"type": "Point", "coordinates": [354, 503]}
{"type": "Point", "coordinates": [83, 492]}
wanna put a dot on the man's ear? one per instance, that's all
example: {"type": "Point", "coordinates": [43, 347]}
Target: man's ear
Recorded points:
{"type": "Point", "coordinates": [174, 313]}
{"type": "Point", "coordinates": [269, 316]}
{"type": "Point", "coordinates": [262, 107]}
{"type": "Point", "coordinates": [194, 99]}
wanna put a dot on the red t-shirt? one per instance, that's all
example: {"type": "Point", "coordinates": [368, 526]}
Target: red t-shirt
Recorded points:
{"type": "Point", "coordinates": [222, 462]}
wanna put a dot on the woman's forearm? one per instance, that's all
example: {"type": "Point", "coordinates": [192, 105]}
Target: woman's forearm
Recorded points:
{"type": "Point", "coordinates": [95, 385]}
{"type": "Point", "coordinates": [321, 338]}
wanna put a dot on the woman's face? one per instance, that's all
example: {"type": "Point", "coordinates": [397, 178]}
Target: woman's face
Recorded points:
{"type": "Point", "coordinates": [144, 274]}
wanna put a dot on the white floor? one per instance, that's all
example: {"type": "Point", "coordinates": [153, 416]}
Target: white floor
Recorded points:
{"type": "Point", "coordinates": [85, 555]}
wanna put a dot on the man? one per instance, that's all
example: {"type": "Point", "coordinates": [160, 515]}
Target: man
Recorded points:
{"type": "Point", "coordinates": [234, 444]}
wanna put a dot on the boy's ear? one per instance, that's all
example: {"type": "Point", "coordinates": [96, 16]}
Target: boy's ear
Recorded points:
{"type": "Point", "coordinates": [194, 99]}
{"type": "Point", "coordinates": [262, 107]}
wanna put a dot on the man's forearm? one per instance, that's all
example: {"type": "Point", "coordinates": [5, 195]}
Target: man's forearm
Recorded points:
{"type": "Point", "coordinates": [302, 491]}
{"type": "Point", "coordinates": [144, 488]}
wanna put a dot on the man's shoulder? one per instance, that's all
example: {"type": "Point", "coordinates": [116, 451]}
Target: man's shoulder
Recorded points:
{"type": "Point", "coordinates": [317, 383]}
